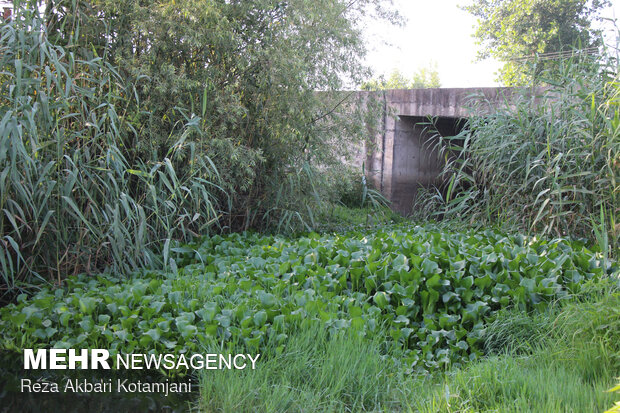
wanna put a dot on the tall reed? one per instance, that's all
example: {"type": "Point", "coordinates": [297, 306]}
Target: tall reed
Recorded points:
{"type": "Point", "coordinates": [547, 162]}
{"type": "Point", "coordinates": [74, 197]}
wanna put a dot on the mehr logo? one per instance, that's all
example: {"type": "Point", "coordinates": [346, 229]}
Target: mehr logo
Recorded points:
{"type": "Point", "coordinates": [58, 359]}
{"type": "Point", "coordinates": [63, 359]}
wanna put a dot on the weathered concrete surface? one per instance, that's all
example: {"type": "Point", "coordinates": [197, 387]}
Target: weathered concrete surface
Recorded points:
{"type": "Point", "coordinates": [404, 155]}
{"type": "Point", "coordinates": [416, 162]}
{"type": "Point", "coordinates": [446, 102]}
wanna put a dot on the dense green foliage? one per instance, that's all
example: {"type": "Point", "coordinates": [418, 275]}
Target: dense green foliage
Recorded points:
{"type": "Point", "coordinates": [424, 77]}
{"type": "Point", "coordinates": [132, 133]}
{"type": "Point", "coordinates": [124, 125]}
{"type": "Point", "coordinates": [562, 364]}
{"type": "Point", "coordinates": [517, 31]}
{"type": "Point", "coordinates": [73, 198]}
{"type": "Point", "coordinates": [549, 163]}
{"type": "Point", "coordinates": [247, 73]}
{"type": "Point", "coordinates": [433, 292]}
{"type": "Point", "coordinates": [342, 219]}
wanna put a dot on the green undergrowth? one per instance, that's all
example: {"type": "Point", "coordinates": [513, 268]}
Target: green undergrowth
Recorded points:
{"type": "Point", "coordinates": [542, 382]}
{"type": "Point", "coordinates": [340, 218]}
{"type": "Point", "coordinates": [565, 365]}
{"type": "Point", "coordinates": [563, 360]}
{"type": "Point", "coordinates": [428, 294]}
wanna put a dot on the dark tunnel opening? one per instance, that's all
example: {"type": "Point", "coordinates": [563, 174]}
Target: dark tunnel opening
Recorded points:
{"type": "Point", "coordinates": [417, 162]}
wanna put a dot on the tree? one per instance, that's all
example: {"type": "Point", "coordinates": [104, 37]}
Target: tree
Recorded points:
{"type": "Point", "coordinates": [130, 124]}
{"type": "Point", "coordinates": [516, 31]}
{"type": "Point", "coordinates": [424, 77]}
{"type": "Point", "coordinates": [248, 69]}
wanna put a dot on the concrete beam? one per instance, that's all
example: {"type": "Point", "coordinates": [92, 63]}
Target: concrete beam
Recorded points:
{"type": "Point", "coordinates": [446, 102]}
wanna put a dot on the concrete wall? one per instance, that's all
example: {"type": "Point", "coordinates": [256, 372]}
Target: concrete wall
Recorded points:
{"type": "Point", "coordinates": [403, 157]}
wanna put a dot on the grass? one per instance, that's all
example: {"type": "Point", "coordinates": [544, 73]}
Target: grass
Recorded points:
{"type": "Point", "coordinates": [542, 382]}
{"type": "Point", "coordinates": [563, 360]}
{"type": "Point", "coordinates": [546, 165]}
{"type": "Point", "coordinates": [74, 198]}
{"type": "Point", "coordinates": [315, 373]}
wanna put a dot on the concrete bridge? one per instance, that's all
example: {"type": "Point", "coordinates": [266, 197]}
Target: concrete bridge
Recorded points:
{"type": "Point", "coordinates": [403, 157]}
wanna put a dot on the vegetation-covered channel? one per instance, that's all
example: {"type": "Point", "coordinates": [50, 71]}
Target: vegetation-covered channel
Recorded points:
{"type": "Point", "coordinates": [432, 290]}
{"type": "Point", "coordinates": [426, 294]}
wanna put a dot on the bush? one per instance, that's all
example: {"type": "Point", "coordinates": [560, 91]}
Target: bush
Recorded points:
{"type": "Point", "coordinates": [352, 190]}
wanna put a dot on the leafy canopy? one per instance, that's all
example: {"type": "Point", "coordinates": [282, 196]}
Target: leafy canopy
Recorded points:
{"type": "Point", "coordinates": [514, 31]}
{"type": "Point", "coordinates": [423, 77]}
{"type": "Point", "coordinates": [127, 124]}
{"type": "Point", "coordinates": [249, 69]}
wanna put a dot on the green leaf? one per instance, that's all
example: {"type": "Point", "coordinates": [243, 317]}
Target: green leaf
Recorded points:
{"type": "Point", "coordinates": [87, 305]}
{"type": "Point", "coordinates": [381, 299]}
{"type": "Point", "coordinates": [154, 333]}
{"type": "Point", "coordinates": [267, 300]}
{"type": "Point", "coordinates": [260, 318]}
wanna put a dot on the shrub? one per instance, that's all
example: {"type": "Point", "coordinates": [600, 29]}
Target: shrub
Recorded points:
{"type": "Point", "coordinates": [125, 126]}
